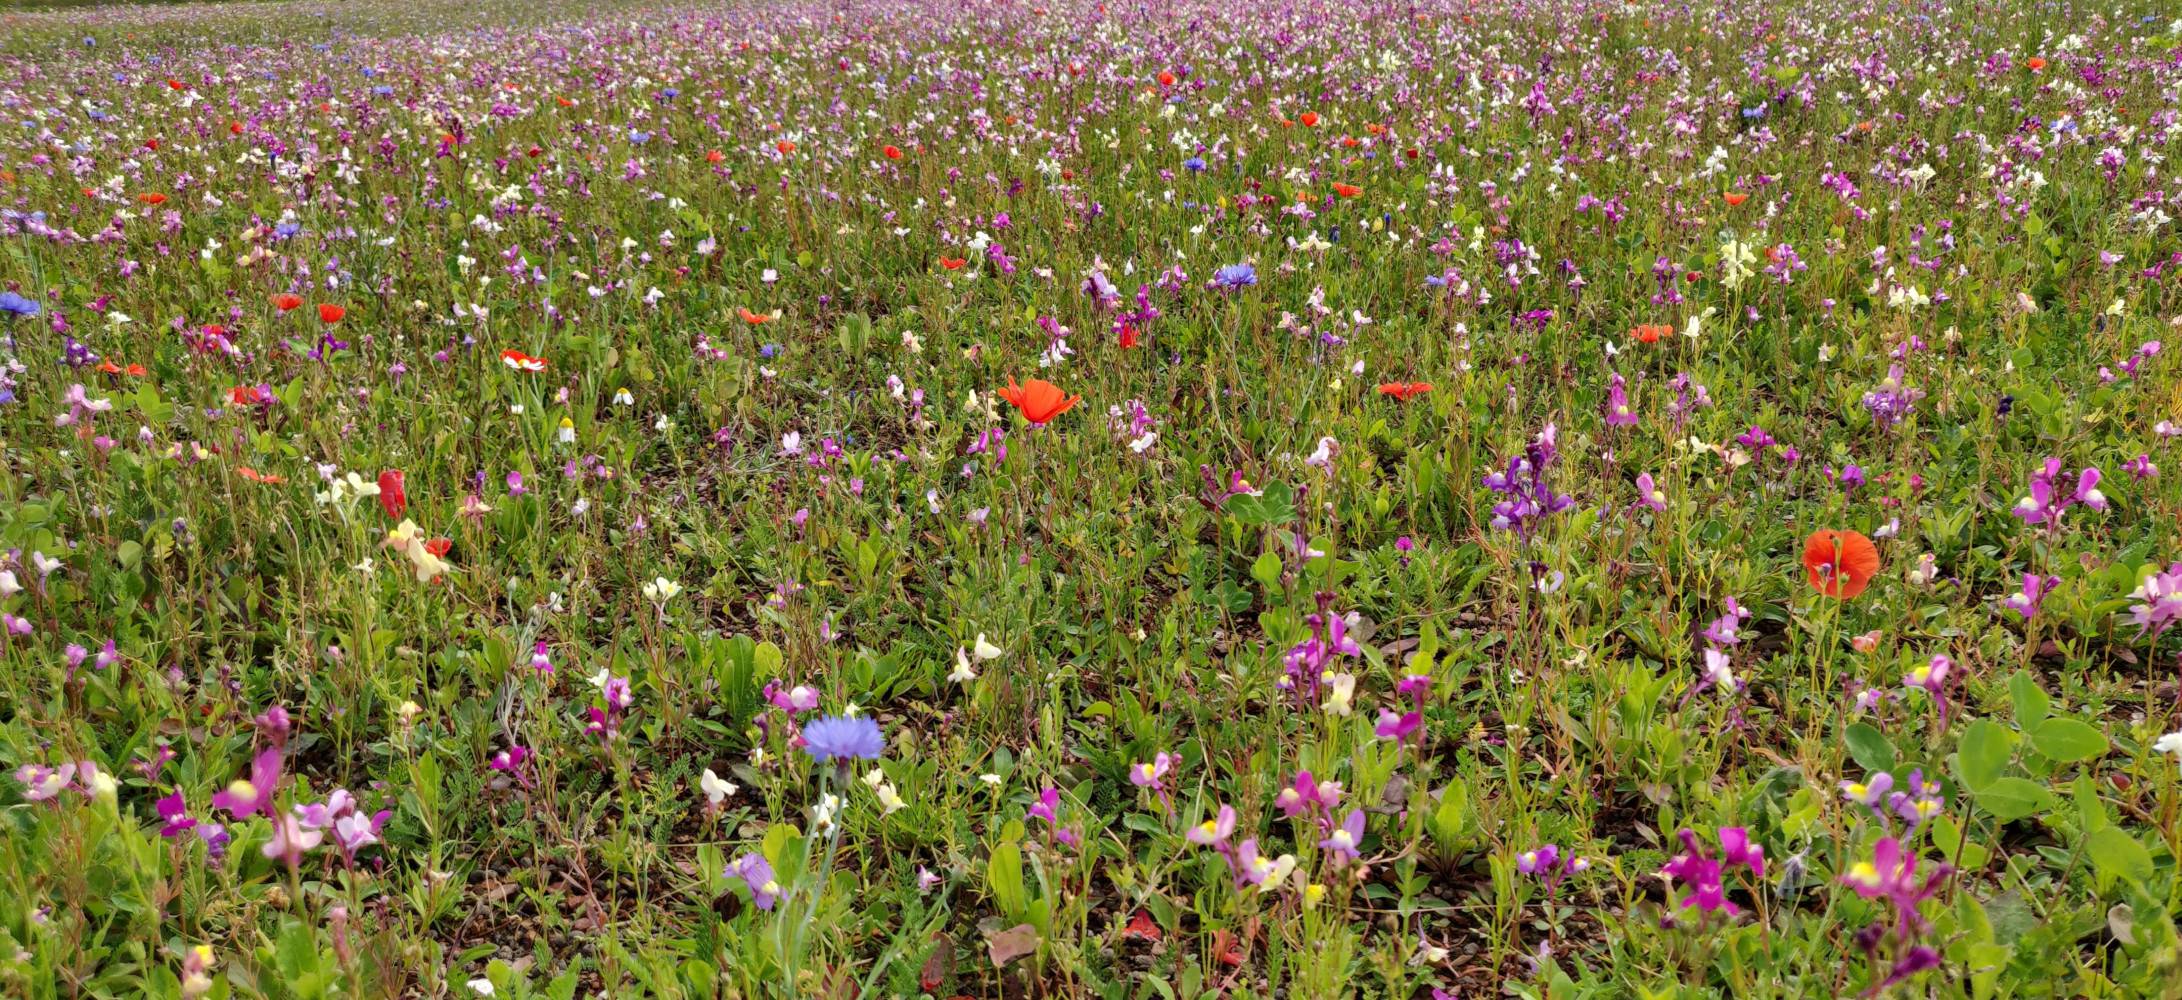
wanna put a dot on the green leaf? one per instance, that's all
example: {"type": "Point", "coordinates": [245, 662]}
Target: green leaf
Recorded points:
{"type": "Point", "coordinates": [2069, 740]}
{"type": "Point", "coordinates": [2115, 854]}
{"type": "Point", "coordinates": [1984, 752]}
{"type": "Point", "coordinates": [1869, 747]}
{"type": "Point", "coordinates": [2031, 704]}
{"type": "Point", "coordinates": [2011, 799]}
{"type": "Point", "coordinates": [1266, 570]}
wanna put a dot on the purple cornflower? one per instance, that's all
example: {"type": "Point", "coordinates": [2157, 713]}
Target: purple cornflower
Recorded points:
{"type": "Point", "coordinates": [841, 739]}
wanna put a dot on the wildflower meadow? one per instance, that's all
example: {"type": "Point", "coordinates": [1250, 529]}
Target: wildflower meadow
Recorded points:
{"type": "Point", "coordinates": [1116, 499]}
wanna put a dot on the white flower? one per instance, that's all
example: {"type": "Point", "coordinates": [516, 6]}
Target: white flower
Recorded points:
{"type": "Point", "coordinates": [822, 816]}
{"type": "Point", "coordinates": [662, 425]}
{"type": "Point", "coordinates": [661, 590]}
{"type": "Point", "coordinates": [44, 564]}
{"type": "Point", "coordinates": [962, 673]}
{"type": "Point", "coordinates": [2170, 744]}
{"type": "Point", "coordinates": [890, 801]}
{"type": "Point", "coordinates": [1340, 693]}
{"type": "Point", "coordinates": [367, 567]}
{"type": "Point", "coordinates": [985, 651]}
{"type": "Point", "coordinates": [990, 779]}
{"type": "Point", "coordinates": [622, 397]}
{"type": "Point", "coordinates": [716, 789]}
{"type": "Point", "coordinates": [9, 585]}
{"type": "Point", "coordinates": [481, 985]}
{"type": "Point", "coordinates": [791, 443]}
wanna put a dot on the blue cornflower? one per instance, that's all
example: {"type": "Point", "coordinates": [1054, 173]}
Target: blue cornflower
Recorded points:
{"type": "Point", "coordinates": [1235, 276]}
{"type": "Point", "coordinates": [639, 136]}
{"type": "Point", "coordinates": [1195, 164]}
{"type": "Point", "coordinates": [16, 305]}
{"type": "Point", "coordinates": [835, 737]}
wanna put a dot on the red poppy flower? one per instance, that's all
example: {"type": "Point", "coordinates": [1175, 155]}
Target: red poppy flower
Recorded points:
{"type": "Point", "coordinates": [2036, 63]}
{"type": "Point", "coordinates": [892, 152]}
{"type": "Point", "coordinates": [1039, 399]}
{"type": "Point", "coordinates": [1141, 928]}
{"type": "Point", "coordinates": [1412, 152]}
{"type": "Point", "coordinates": [249, 395]}
{"type": "Point", "coordinates": [714, 156]}
{"type": "Point", "coordinates": [1650, 332]}
{"type": "Point", "coordinates": [329, 314]}
{"type": "Point", "coordinates": [1839, 563]}
{"type": "Point", "coordinates": [1166, 79]}
{"type": "Point", "coordinates": [754, 319]}
{"type": "Point", "coordinates": [258, 477]}
{"type": "Point", "coordinates": [440, 546]}
{"type": "Point", "coordinates": [234, 128]}
{"type": "Point", "coordinates": [1130, 335]}
{"type": "Point", "coordinates": [1347, 190]}
{"type": "Point", "coordinates": [1350, 142]}
{"type": "Point", "coordinates": [564, 102]}
{"type": "Point", "coordinates": [174, 84]}
{"type": "Point", "coordinates": [286, 302]}
{"type": "Point", "coordinates": [953, 263]}
{"type": "Point", "coordinates": [785, 147]}
{"type": "Point", "coordinates": [152, 198]}
{"type": "Point", "coordinates": [1404, 391]}
{"type": "Point", "coordinates": [1309, 119]}
{"type": "Point", "coordinates": [1735, 198]}
{"type": "Point", "coordinates": [391, 495]}
{"type": "Point", "coordinates": [152, 144]}
{"type": "Point", "coordinates": [522, 362]}
{"type": "Point", "coordinates": [534, 152]}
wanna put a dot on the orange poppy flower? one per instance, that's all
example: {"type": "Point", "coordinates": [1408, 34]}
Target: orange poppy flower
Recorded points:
{"type": "Point", "coordinates": [1350, 142]}
{"type": "Point", "coordinates": [2036, 63]}
{"type": "Point", "coordinates": [522, 362]}
{"type": "Point", "coordinates": [1650, 333]}
{"type": "Point", "coordinates": [714, 156]}
{"type": "Point", "coordinates": [564, 102]}
{"type": "Point", "coordinates": [1039, 399]}
{"type": "Point", "coordinates": [1347, 190]}
{"type": "Point", "coordinates": [1309, 119]}
{"type": "Point", "coordinates": [892, 152]}
{"type": "Point", "coordinates": [329, 314]}
{"type": "Point", "coordinates": [258, 477]}
{"type": "Point", "coordinates": [286, 302]}
{"type": "Point", "coordinates": [110, 368]}
{"type": "Point", "coordinates": [152, 198]}
{"type": "Point", "coordinates": [1839, 563]}
{"type": "Point", "coordinates": [1735, 198]}
{"type": "Point", "coordinates": [1404, 390]}
{"type": "Point", "coordinates": [953, 263]}
{"type": "Point", "coordinates": [752, 318]}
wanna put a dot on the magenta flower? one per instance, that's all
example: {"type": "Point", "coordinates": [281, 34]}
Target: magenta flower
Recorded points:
{"type": "Point", "coordinates": [1539, 861]}
{"type": "Point", "coordinates": [1306, 796]}
{"type": "Point", "coordinates": [1343, 841]}
{"type": "Point", "coordinates": [2035, 588]}
{"type": "Point", "coordinates": [2159, 601]}
{"type": "Point", "coordinates": [1397, 727]}
{"type": "Point", "coordinates": [246, 798]}
{"type": "Point", "coordinates": [1214, 832]}
{"type": "Point", "coordinates": [1154, 774]}
{"type": "Point", "coordinates": [174, 816]}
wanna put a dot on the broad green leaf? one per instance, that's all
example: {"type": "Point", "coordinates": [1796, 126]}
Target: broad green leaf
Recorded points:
{"type": "Point", "coordinates": [2115, 854]}
{"type": "Point", "coordinates": [1869, 747]}
{"type": "Point", "coordinates": [1984, 752]}
{"type": "Point", "coordinates": [2069, 740]}
{"type": "Point", "coordinates": [2011, 799]}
